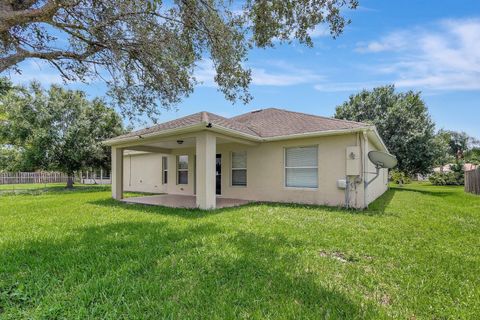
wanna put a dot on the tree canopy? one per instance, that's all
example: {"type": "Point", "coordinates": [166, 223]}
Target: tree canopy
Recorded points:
{"type": "Point", "coordinates": [473, 155]}
{"type": "Point", "coordinates": [457, 145]}
{"type": "Point", "coordinates": [56, 129]}
{"type": "Point", "coordinates": [146, 50]}
{"type": "Point", "coordinates": [402, 120]}
{"type": "Point", "coordinates": [457, 142]}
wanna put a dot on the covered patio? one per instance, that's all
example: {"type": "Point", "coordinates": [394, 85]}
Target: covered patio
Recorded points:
{"type": "Point", "coordinates": [198, 137]}
{"type": "Point", "coordinates": [182, 201]}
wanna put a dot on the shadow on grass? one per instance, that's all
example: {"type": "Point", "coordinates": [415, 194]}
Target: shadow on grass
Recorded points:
{"type": "Point", "coordinates": [170, 211]}
{"type": "Point", "coordinates": [376, 208]}
{"type": "Point", "coordinates": [19, 191]}
{"type": "Point", "coordinates": [438, 192]}
{"type": "Point", "coordinates": [197, 213]}
{"type": "Point", "coordinates": [153, 270]}
{"type": "Point", "coordinates": [380, 205]}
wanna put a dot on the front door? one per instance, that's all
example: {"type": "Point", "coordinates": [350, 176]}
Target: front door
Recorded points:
{"type": "Point", "coordinates": [218, 174]}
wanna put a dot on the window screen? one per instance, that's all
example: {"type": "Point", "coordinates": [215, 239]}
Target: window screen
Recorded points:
{"type": "Point", "coordinates": [239, 168]}
{"type": "Point", "coordinates": [301, 167]}
{"type": "Point", "coordinates": [182, 169]}
{"type": "Point", "coordinates": [164, 170]}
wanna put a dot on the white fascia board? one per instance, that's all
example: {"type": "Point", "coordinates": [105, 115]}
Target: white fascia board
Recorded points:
{"type": "Point", "coordinates": [316, 134]}
{"type": "Point", "coordinates": [149, 136]}
{"type": "Point", "coordinates": [235, 133]}
{"type": "Point", "coordinates": [377, 140]}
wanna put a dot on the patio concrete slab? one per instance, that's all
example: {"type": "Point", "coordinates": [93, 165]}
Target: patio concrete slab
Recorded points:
{"type": "Point", "coordinates": [182, 201]}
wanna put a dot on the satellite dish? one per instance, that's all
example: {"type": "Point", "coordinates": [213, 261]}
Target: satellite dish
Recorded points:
{"type": "Point", "coordinates": [382, 159]}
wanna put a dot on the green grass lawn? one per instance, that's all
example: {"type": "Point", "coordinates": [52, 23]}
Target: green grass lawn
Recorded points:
{"type": "Point", "coordinates": [79, 254]}
{"type": "Point", "coordinates": [30, 186]}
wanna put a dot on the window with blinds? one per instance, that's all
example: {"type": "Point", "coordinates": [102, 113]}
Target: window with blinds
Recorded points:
{"type": "Point", "coordinates": [239, 168]}
{"type": "Point", "coordinates": [182, 170]}
{"type": "Point", "coordinates": [301, 167]}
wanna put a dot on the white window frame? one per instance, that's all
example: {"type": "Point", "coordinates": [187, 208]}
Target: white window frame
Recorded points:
{"type": "Point", "coordinates": [304, 167]}
{"type": "Point", "coordinates": [164, 170]}
{"type": "Point", "coordinates": [232, 169]}
{"type": "Point", "coordinates": [179, 170]}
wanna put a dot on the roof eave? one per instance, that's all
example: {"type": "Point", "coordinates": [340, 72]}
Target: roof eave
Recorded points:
{"type": "Point", "coordinates": [181, 130]}
{"type": "Point", "coordinates": [316, 134]}
{"type": "Point", "coordinates": [232, 132]}
{"type": "Point", "coordinates": [168, 132]}
{"type": "Point", "coordinates": [380, 143]}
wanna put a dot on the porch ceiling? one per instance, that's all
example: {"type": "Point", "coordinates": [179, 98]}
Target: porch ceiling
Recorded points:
{"type": "Point", "coordinates": [165, 145]}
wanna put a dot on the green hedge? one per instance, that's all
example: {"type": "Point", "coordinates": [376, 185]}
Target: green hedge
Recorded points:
{"type": "Point", "coordinates": [447, 178]}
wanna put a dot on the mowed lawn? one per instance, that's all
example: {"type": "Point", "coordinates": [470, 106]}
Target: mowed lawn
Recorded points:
{"type": "Point", "coordinates": [78, 254]}
{"type": "Point", "coordinates": [29, 186]}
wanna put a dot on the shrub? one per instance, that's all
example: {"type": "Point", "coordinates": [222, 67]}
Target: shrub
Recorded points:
{"type": "Point", "coordinates": [447, 179]}
{"type": "Point", "coordinates": [456, 177]}
{"type": "Point", "coordinates": [458, 170]}
{"type": "Point", "coordinates": [399, 177]}
{"type": "Point", "coordinates": [438, 179]}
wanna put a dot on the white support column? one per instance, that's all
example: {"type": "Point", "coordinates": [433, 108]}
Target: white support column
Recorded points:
{"type": "Point", "coordinates": [117, 173]}
{"type": "Point", "coordinates": [206, 154]}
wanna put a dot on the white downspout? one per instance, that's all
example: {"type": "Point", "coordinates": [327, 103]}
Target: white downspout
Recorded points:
{"type": "Point", "coordinates": [357, 181]}
{"type": "Point", "coordinates": [365, 168]}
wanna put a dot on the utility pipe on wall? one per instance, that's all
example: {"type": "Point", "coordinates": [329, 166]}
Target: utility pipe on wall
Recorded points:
{"type": "Point", "coordinates": [365, 168]}
{"type": "Point", "coordinates": [352, 181]}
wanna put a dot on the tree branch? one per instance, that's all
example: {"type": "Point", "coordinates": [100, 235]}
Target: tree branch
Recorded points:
{"type": "Point", "coordinates": [23, 54]}
{"type": "Point", "coordinates": [11, 18]}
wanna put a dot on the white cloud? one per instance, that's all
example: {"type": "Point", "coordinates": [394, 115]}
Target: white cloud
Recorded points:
{"type": "Point", "coordinates": [346, 86]}
{"type": "Point", "coordinates": [282, 73]}
{"type": "Point", "coordinates": [205, 73]}
{"type": "Point", "coordinates": [262, 77]}
{"type": "Point", "coordinates": [44, 73]}
{"type": "Point", "coordinates": [319, 31]}
{"type": "Point", "coordinates": [278, 73]}
{"type": "Point", "coordinates": [36, 70]}
{"type": "Point", "coordinates": [443, 57]}
{"type": "Point", "coordinates": [393, 41]}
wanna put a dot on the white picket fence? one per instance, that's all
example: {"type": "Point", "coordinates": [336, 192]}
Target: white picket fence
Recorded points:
{"type": "Point", "coordinates": [95, 177]}
{"type": "Point", "coordinates": [32, 177]}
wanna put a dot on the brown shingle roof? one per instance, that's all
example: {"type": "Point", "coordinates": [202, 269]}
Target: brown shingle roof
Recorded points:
{"type": "Point", "coordinates": [230, 124]}
{"type": "Point", "coordinates": [190, 120]}
{"type": "Point", "coordinates": [177, 123]}
{"type": "Point", "coordinates": [265, 123]}
{"type": "Point", "coordinates": [274, 122]}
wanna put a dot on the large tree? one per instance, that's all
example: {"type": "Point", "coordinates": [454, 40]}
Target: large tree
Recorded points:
{"type": "Point", "coordinates": [403, 121]}
{"type": "Point", "coordinates": [10, 159]}
{"type": "Point", "coordinates": [444, 154]}
{"type": "Point", "coordinates": [457, 142]}
{"type": "Point", "coordinates": [57, 129]}
{"type": "Point", "coordinates": [473, 155]}
{"type": "Point", "coordinates": [146, 50]}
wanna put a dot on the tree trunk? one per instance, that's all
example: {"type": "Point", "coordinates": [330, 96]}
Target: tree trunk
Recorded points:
{"type": "Point", "coordinates": [69, 182]}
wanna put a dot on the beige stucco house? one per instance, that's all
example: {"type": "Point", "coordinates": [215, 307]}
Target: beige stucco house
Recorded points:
{"type": "Point", "coordinates": [265, 155]}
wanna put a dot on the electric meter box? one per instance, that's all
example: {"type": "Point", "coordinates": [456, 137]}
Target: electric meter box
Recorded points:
{"type": "Point", "coordinates": [353, 161]}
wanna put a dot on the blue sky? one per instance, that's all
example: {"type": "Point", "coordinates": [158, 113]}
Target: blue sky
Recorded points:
{"type": "Point", "coordinates": [429, 46]}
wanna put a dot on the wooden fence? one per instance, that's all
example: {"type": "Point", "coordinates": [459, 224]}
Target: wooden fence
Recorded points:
{"type": "Point", "coordinates": [31, 177]}
{"type": "Point", "coordinates": [472, 181]}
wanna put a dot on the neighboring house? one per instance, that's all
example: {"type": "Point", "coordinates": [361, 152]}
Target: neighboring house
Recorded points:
{"type": "Point", "coordinates": [446, 168]}
{"type": "Point", "coordinates": [265, 155]}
